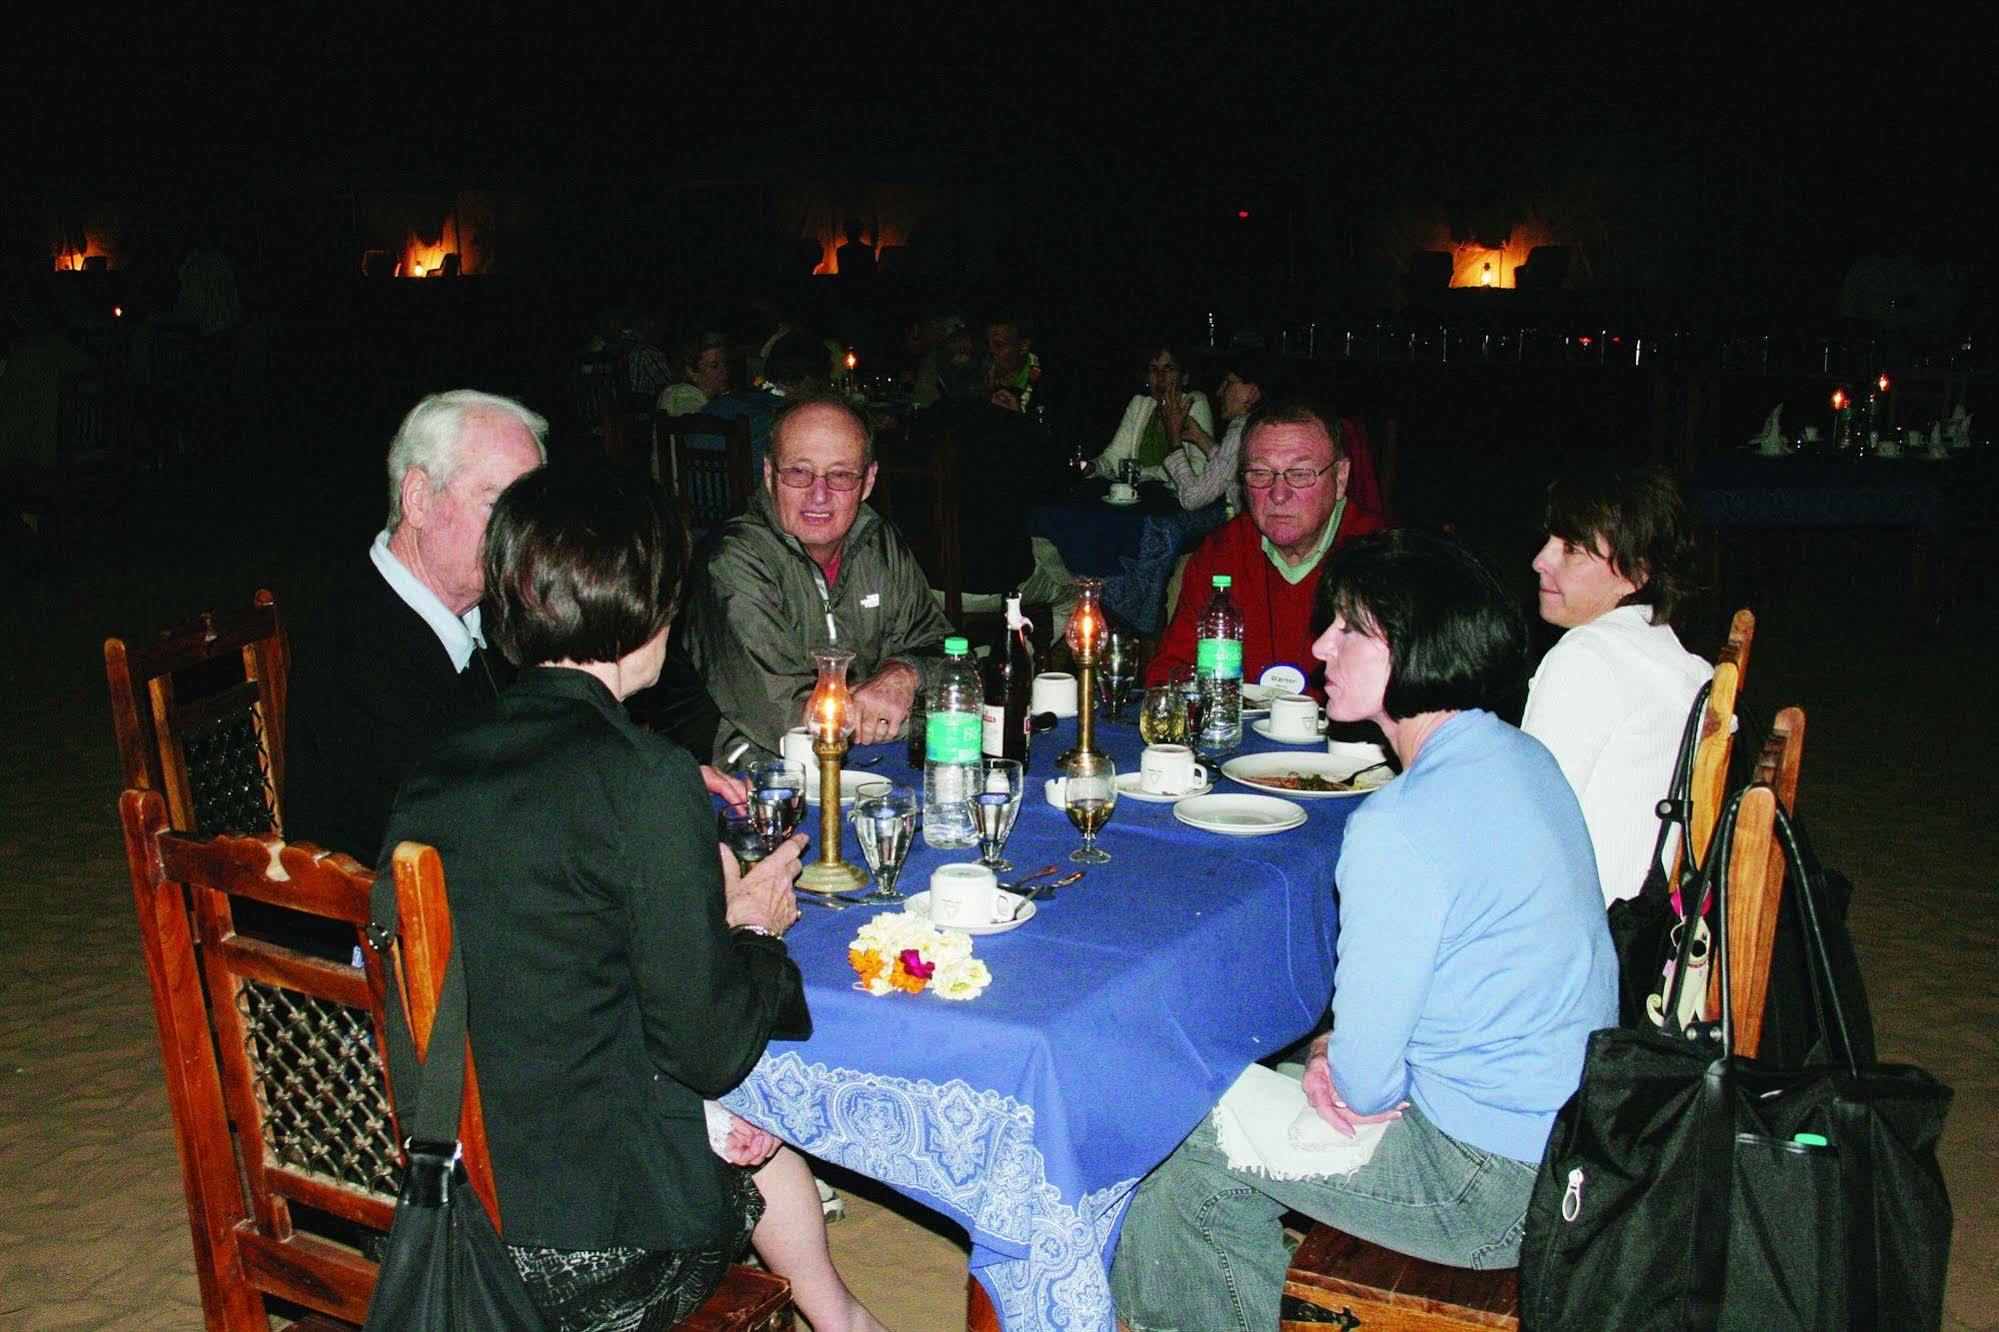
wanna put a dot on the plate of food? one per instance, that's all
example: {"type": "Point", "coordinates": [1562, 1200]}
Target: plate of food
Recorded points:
{"type": "Point", "coordinates": [1319, 776]}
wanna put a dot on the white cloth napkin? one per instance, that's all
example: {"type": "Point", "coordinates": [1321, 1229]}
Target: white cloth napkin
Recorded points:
{"type": "Point", "coordinates": [1266, 1127]}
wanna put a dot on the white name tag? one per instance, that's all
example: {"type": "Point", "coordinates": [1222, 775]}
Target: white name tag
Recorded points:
{"type": "Point", "coordinates": [871, 600]}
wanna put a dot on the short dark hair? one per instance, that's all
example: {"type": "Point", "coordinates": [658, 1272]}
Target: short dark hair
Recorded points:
{"type": "Point", "coordinates": [582, 564]}
{"type": "Point", "coordinates": [1297, 409]}
{"type": "Point", "coordinates": [1455, 639]}
{"type": "Point", "coordinates": [793, 406]}
{"type": "Point", "coordinates": [690, 349]}
{"type": "Point", "coordinates": [795, 359]}
{"type": "Point", "coordinates": [1182, 356]}
{"type": "Point", "coordinates": [1263, 370]}
{"type": "Point", "coordinates": [1631, 514]}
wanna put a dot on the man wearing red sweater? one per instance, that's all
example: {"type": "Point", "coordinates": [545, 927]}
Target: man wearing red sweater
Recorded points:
{"type": "Point", "coordinates": [1295, 479]}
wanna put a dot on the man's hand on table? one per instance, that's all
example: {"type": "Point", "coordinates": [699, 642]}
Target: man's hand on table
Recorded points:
{"type": "Point", "coordinates": [881, 706]}
{"type": "Point", "coordinates": [735, 793]}
{"type": "Point", "coordinates": [1324, 1097]}
{"type": "Point", "coordinates": [762, 898]}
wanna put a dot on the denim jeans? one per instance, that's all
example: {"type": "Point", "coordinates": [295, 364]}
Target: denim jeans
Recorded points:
{"type": "Point", "coordinates": [1202, 1248]}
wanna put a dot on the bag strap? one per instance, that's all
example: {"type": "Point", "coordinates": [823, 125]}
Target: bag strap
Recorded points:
{"type": "Point", "coordinates": [1818, 959]}
{"type": "Point", "coordinates": [1714, 1169]}
{"type": "Point", "coordinates": [1676, 809]}
{"type": "Point", "coordinates": [430, 1093]}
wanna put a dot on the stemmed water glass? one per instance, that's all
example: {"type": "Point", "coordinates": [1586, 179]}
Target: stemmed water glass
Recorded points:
{"type": "Point", "coordinates": [884, 817]}
{"type": "Point", "coordinates": [995, 806]}
{"type": "Point", "coordinates": [1089, 799]}
{"type": "Point", "coordinates": [1117, 671]}
{"type": "Point", "coordinates": [777, 799]}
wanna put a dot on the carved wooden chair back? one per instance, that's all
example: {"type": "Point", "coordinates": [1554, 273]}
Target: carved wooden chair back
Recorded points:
{"type": "Point", "coordinates": [1741, 636]}
{"type": "Point", "coordinates": [1711, 754]}
{"type": "Point", "coordinates": [710, 483]}
{"type": "Point", "coordinates": [1756, 879]}
{"type": "Point", "coordinates": [200, 715]}
{"type": "Point", "coordinates": [280, 1102]}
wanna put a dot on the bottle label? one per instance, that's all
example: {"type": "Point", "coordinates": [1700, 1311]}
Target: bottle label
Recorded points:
{"type": "Point", "coordinates": [952, 737]}
{"type": "Point", "coordinates": [1219, 657]}
{"type": "Point", "coordinates": [992, 738]}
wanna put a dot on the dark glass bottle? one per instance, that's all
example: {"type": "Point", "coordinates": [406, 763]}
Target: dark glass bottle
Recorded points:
{"type": "Point", "coordinates": [1009, 684]}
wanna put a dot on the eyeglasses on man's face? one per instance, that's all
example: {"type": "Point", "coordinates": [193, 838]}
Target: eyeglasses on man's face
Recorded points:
{"type": "Point", "coordinates": [799, 477]}
{"type": "Point", "coordinates": [1298, 478]}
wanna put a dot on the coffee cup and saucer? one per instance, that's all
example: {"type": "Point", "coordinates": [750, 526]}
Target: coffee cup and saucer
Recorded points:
{"type": "Point", "coordinates": [1122, 494]}
{"type": "Point", "coordinates": [968, 897]}
{"type": "Point", "coordinates": [1293, 720]}
{"type": "Point", "coordinates": [1166, 773]}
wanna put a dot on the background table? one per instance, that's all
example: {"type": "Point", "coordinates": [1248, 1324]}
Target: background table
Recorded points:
{"type": "Point", "coordinates": [1115, 1020]}
{"type": "Point", "coordinates": [1132, 547]}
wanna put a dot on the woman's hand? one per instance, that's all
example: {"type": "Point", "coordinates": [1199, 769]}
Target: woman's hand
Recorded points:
{"type": "Point", "coordinates": [1325, 1098]}
{"type": "Point", "coordinates": [734, 791]}
{"type": "Point", "coordinates": [1191, 433]}
{"type": "Point", "coordinates": [1174, 407]}
{"type": "Point", "coordinates": [1007, 398]}
{"type": "Point", "coordinates": [748, 1145]}
{"type": "Point", "coordinates": [762, 898]}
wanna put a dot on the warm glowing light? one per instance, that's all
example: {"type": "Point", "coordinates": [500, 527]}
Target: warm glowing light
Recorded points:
{"type": "Point", "coordinates": [1086, 624]}
{"type": "Point", "coordinates": [830, 711]}
{"type": "Point", "coordinates": [1486, 277]}
{"type": "Point", "coordinates": [1584, 341]}
{"type": "Point", "coordinates": [1242, 214]}
{"type": "Point", "coordinates": [1881, 383]}
{"type": "Point", "coordinates": [117, 312]}
{"type": "Point", "coordinates": [852, 360]}
{"type": "Point", "coordinates": [423, 258]}
{"type": "Point", "coordinates": [1840, 400]}
{"type": "Point", "coordinates": [1469, 259]}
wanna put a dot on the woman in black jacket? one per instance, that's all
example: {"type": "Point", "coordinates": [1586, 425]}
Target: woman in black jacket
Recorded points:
{"type": "Point", "coordinates": [618, 970]}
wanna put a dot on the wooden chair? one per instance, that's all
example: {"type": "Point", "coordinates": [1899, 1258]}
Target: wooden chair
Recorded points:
{"type": "Point", "coordinates": [1711, 754]}
{"type": "Point", "coordinates": [1338, 1280]}
{"type": "Point", "coordinates": [711, 484]}
{"type": "Point", "coordinates": [1756, 879]}
{"type": "Point", "coordinates": [279, 1092]}
{"type": "Point", "coordinates": [747, 1301]}
{"type": "Point", "coordinates": [200, 715]}
{"type": "Point", "coordinates": [1735, 649]}
{"type": "Point", "coordinates": [91, 475]}
{"type": "Point", "coordinates": [918, 487]}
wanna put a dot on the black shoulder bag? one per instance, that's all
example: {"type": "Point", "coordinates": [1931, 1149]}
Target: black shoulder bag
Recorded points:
{"type": "Point", "coordinates": [445, 1268]}
{"type": "Point", "coordinates": [1647, 931]}
{"type": "Point", "coordinates": [1685, 1186]}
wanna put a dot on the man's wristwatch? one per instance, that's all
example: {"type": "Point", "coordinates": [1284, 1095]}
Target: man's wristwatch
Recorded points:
{"type": "Point", "coordinates": [753, 929]}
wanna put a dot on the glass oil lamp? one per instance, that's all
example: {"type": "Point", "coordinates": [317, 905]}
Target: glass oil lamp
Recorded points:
{"type": "Point", "coordinates": [1087, 630]}
{"type": "Point", "coordinates": [830, 717]}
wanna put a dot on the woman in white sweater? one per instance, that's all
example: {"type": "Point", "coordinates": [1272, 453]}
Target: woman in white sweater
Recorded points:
{"type": "Point", "coordinates": [1156, 420]}
{"type": "Point", "coordinates": [1611, 698]}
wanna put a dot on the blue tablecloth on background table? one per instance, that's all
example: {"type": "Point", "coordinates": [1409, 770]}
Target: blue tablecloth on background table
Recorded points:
{"type": "Point", "coordinates": [1132, 547]}
{"type": "Point", "coordinates": [1115, 1020]}
{"type": "Point", "coordinates": [1742, 490]}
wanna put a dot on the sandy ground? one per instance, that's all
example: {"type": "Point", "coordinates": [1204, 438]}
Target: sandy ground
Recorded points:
{"type": "Point", "coordinates": [92, 1228]}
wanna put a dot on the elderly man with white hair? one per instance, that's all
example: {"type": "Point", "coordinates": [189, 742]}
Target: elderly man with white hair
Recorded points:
{"type": "Point", "coordinates": [397, 659]}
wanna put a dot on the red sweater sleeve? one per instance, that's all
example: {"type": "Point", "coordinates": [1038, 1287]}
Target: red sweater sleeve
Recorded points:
{"type": "Point", "coordinates": [1176, 646]}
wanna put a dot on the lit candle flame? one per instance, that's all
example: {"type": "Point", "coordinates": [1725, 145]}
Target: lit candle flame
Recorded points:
{"type": "Point", "coordinates": [852, 360]}
{"type": "Point", "coordinates": [1839, 400]}
{"type": "Point", "coordinates": [1882, 382]}
{"type": "Point", "coordinates": [1485, 277]}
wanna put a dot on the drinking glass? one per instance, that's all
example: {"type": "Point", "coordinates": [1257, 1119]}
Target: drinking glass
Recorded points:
{"type": "Point", "coordinates": [1189, 684]}
{"type": "Point", "coordinates": [996, 806]}
{"type": "Point", "coordinates": [777, 798]}
{"type": "Point", "coordinates": [1089, 799]}
{"type": "Point", "coordinates": [737, 830]}
{"type": "Point", "coordinates": [885, 825]}
{"type": "Point", "coordinates": [1162, 718]}
{"type": "Point", "coordinates": [1117, 671]}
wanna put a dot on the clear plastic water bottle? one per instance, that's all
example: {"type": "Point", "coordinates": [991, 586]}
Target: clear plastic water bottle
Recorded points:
{"type": "Point", "coordinates": [1218, 672]}
{"type": "Point", "coordinates": [951, 750]}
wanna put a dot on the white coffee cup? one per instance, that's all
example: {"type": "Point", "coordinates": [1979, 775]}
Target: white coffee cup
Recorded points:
{"type": "Point", "coordinates": [1054, 691]}
{"type": "Point", "coordinates": [966, 894]}
{"type": "Point", "coordinates": [1123, 493]}
{"type": "Point", "coordinates": [1170, 770]}
{"type": "Point", "coordinates": [1294, 718]}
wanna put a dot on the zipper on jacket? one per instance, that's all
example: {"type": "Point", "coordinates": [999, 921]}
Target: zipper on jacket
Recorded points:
{"type": "Point", "coordinates": [1572, 1196]}
{"type": "Point", "coordinates": [826, 604]}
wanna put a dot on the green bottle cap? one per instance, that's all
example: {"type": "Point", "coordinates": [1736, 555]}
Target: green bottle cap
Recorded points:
{"type": "Point", "coordinates": [1223, 580]}
{"type": "Point", "coordinates": [956, 647]}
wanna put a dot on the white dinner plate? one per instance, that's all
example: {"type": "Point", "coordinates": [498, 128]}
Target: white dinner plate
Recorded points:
{"type": "Point", "coordinates": [1239, 815]}
{"type": "Point", "coordinates": [850, 782]}
{"type": "Point", "coordinates": [918, 906]}
{"type": "Point", "coordinates": [1129, 788]}
{"type": "Point", "coordinates": [1260, 770]}
{"type": "Point", "coordinates": [1262, 728]}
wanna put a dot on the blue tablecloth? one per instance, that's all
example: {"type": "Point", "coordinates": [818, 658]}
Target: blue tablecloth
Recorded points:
{"type": "Point", "coordinates": [1115, 1020]}
{"type": "Point", "coordinates": [1132, 547]}
{"type": "Point", "coordinates": [1741, 490]}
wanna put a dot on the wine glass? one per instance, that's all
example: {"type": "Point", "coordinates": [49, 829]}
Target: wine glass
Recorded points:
{"type": "Point", "coordinates": [1162, 717]}
{"type": "Point", "coordinates": [737, 830]}
{"type": "Point", "coordinates": [1117, 670]}
{"type": "Point", "coordinates": [1089, 799]}
{"type": "Point", "coordinates": [995, 806]}
{"type": "Point", "coordinates": [885, 825]}
{"type": "Point", "coordinates": [777, 798]}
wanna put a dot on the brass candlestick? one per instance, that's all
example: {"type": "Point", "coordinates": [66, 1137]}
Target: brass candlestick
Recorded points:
{"type": "Point", "coordinates": [830, 715]}
{"type": "Point", "coordinates": [1086, 630]}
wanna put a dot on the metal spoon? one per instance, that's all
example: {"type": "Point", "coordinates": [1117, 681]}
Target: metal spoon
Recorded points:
{"type": "Point", "coordinates": [1041, 873]}
{"type": "Point", "coordinates": [831, 904]}
{"type": "Point", "coordinates": [1043, 893]}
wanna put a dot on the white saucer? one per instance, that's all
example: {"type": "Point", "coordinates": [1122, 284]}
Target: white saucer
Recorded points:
{"type": "Point", "coordinates": [918, 905]}
{"type": "Point", "coordinates": [1239, 815]}
{"type": "Point", "coordinates": [1262, 728]}
{"type": "Point", "coordinates": [1129, 788]}
{"type": "Point", "coordinates": [1120, 504]}
{"type": "Point", "coordinates": [851, 781]}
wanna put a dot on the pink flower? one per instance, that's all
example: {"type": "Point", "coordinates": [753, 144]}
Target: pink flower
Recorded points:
{"type": "Point", "coordinates": [913, 963]}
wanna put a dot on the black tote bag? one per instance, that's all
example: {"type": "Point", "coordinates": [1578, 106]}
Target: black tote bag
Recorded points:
{"type": "Point", "coordinates": [445, 1269]}
{"type": "Point", "coordinates": [1686, 1187]}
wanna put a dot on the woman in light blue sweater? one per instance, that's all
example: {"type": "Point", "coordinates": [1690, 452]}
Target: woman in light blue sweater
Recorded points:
{"type": "Point", "coordinates": [1473, 963]}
